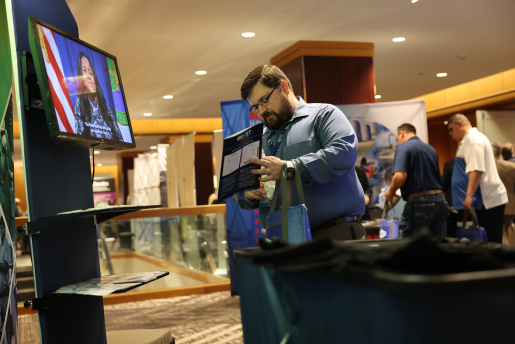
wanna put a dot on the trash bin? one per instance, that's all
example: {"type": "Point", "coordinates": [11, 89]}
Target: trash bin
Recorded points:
{"type": "Point", "coordinates": [372, 292]}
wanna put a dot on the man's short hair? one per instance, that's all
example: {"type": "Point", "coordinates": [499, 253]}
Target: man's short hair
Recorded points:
{"type": "Point", "coordinates": [496, 147]}
{"type": "Point", "coordinates": [458, 117]}
{"type": "Point", "coordinates": [407, 128]}
{"type": "Point", "coordinates": [507, 150]}
{"type": "Point", "coordinates": [268, 75]}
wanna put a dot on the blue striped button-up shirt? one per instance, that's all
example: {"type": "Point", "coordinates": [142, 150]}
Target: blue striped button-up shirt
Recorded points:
{"type": "Point", "coordinates": [323, 144]}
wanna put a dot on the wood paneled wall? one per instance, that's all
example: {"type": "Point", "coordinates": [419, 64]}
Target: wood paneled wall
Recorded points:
{"type": "Point", "coordinates": [203, 172]}
{"type": "Point", "coordinates": [337, 73]}
{"type": "Point", "coordinates": [125, 163]}
{"type": "Point", "coordinates": [339, 80]}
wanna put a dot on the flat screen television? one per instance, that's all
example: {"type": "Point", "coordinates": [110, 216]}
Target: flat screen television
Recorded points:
{"type": "Point", "coordinates": [81, 90]}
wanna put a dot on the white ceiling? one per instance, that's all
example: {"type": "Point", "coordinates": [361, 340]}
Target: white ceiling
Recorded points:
{"type": "Point", "coordinates": [161, 43]}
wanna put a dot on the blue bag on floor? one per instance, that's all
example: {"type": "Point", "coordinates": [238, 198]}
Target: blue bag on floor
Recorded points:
{"type": "Point", "coordinates": [388, 229]}
{"type": "Point", "coordinates": [470, 231]}
{"type": "Point", "coordinates": [288, 223]}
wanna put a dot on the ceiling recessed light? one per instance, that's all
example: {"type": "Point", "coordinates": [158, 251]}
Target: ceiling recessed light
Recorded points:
{"type": "Point", "coordinates": [97, 152]}
{"type": "Point", "coordinates": [200, 72]}
{"type": "Point", "coordinates": [147, 114]}
{"type": "Point", "coordinates": [399, 39]}
{"type": "Point", "coordinates": [413, 1]}
{"type": "Point", "coordinates": [167, 97]}
{"type": "Point", "coordinates": [378, 96]}
{"type": "Point", "coordinates": [99, 165]}
{"type": "Point", "coordinates": [153, 147]}
{"type": "Point", "coordinates": [441, 75]}
{"type": "Point", "coordinates": [248, 34]}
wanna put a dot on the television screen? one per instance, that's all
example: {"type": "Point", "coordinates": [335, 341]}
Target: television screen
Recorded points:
{"type": "Point", "coordinates": [81, 88]}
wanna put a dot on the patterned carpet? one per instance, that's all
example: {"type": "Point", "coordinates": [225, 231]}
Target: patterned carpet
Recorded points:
{"type": "Point", "coordinates": [197, 319]}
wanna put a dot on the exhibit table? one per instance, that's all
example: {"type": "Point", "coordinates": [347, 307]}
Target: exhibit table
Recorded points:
{"type": "Point", "coordinates": [377, 291]}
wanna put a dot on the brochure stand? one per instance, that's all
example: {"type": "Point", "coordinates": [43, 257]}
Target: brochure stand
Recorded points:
{"type": "Point", "coordinates": [58, 179]}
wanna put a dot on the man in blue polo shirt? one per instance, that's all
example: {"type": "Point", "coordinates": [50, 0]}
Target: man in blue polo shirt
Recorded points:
{"type": "Point", "coordinates": [416, 173]}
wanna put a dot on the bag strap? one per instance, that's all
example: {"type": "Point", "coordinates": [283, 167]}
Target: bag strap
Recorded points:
{"type": "Point", "coordinates": [298, 183]}
{"type": "Point", "coordinates": [275, 196]}
{"type": "Point", "coordinates": [385, 210]}
{"type": "Point", "coordinates": [283, 187]}
{"type": "Point", "coordinates": [285, 200]}
{"type": "Point", "coordinates": [475, 221]}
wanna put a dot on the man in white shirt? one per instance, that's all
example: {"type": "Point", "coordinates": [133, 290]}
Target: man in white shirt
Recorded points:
{"type": "Point", "coordinates": [475, 180]}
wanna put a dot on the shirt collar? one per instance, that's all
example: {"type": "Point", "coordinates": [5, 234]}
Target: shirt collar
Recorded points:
{"type": "Point", "coordinates": [474, 129]}
{"type": "Point", "coordinates": [302, 110]}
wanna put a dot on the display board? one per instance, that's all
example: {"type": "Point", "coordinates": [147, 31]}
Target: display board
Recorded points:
{"type": "Point", "coordinates": [8, 283]}
{"type": "Point", "coordinates": [376, 129]}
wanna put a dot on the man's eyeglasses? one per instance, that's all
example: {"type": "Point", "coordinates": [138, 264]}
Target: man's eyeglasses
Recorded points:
{"type": "Point", "coordinates": [450, 128]}
{"type": "Point", "coordinates": [264, 102]}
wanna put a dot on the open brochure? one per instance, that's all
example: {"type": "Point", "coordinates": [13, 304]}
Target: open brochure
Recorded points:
{"type": "Point", "coordinates": [111, 283]}
{"type": "Point", "coordinates": [236, 166]}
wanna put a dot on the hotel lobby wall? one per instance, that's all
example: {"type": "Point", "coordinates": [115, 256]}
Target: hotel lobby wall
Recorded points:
{"type": "Point", "coordinates": [337, 80]}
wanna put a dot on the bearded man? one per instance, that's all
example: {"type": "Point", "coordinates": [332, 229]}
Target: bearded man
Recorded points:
{"type": "Point", "coordinates": [324, 146]}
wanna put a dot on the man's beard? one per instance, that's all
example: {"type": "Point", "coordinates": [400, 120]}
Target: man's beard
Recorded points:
{"type": "Point", "coordinates": [277, 119]}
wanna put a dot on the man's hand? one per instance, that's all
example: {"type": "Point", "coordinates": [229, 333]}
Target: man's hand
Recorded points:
{"type": "Point", "coordinates": [256, 194]}
{"type": "Point", "coordinates": [270, 165]}
{"type": "Point", "coordinates": [389, 194]}
{"type": "Point", "coordinates": [468, 202]}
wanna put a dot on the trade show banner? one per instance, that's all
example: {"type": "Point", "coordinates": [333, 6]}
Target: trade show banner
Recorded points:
{"type": "Point", "coordinates": [104, 192]}
{"type": "Point", "coordinates": [376, 129]}
{"type": "Point", "coordinates": [243, 227]}
{"type": "Point", "coordinates": [8, 283]}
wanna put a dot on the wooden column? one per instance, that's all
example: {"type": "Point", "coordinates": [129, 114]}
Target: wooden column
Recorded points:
{"type": "Point", "coordinates": [337, 73]}
{"type": "Point", "coordinates": [125, 162]}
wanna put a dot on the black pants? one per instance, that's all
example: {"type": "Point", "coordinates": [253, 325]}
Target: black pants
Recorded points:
{"type": "Point", "coordinates": [493, 220]}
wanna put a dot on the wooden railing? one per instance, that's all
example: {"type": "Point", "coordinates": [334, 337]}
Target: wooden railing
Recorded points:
{"type": "Point", "coordinates": [158, 212]}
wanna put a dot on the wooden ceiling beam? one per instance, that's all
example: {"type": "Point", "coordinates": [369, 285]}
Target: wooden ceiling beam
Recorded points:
{"type": "Point", "coordinates": [322, 48]}
{"type": "Point", "coordinates": [493, 90]}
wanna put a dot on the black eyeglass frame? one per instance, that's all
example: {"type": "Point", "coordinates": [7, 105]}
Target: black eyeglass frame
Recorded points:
{"type": "Point", "coordinates": [265, 102]}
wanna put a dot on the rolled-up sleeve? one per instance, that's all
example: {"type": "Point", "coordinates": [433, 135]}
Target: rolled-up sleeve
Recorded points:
{"type": "Point", "coordinates": [338, 153]}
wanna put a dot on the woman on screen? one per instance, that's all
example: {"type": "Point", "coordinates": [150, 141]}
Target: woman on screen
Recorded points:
{"type": "Point", "coordinates": [92, 115]}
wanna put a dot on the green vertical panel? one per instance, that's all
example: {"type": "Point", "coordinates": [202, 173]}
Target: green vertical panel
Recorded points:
{"type": "Point", "coordinates": [8, 307]}
{"type": "Point", "coordinates": [5, 60]}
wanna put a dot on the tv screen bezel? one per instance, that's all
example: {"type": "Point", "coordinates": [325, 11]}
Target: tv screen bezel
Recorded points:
{"type": "Point", "coordinates": [48, 103]}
